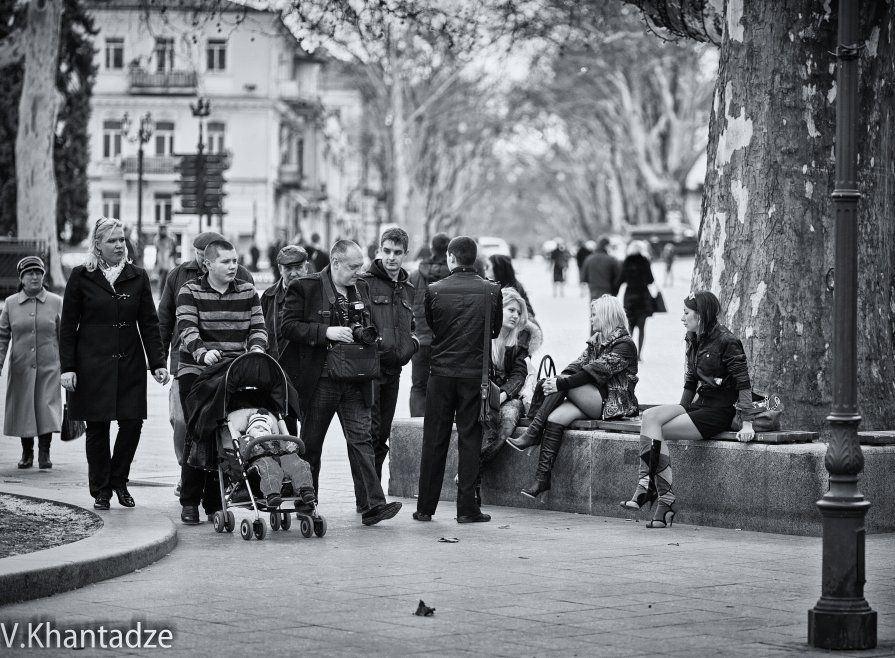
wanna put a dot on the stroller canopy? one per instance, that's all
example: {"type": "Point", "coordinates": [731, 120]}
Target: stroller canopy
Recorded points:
{"type": "Point", "coordinates": [260, 371]}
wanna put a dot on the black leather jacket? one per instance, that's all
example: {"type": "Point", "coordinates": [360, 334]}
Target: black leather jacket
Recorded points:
{"type": "Point", "coordinates": [428, 272]}
{"type": "Point", "coordinates": [716, 364]}
{"type": "Point", "coordinates": [392, 316]}
{"type": "Point", "coordinates": [455, 310]}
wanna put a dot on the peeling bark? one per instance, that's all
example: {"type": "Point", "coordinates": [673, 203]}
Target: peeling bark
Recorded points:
{"type": "Point", "coordinates": [38, 108]}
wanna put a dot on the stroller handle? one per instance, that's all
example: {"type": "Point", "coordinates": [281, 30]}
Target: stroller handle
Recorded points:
{"type": "Point", "coordinates": [274, 437]}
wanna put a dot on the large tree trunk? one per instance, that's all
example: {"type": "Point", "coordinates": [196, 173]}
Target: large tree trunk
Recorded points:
{"type": "Point", "coordinates": [38, 107]}
{"type": "Point", "coordinates": [766, 241]}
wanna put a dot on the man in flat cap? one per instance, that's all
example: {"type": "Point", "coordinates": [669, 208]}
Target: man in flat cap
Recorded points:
{"type": "Point", "coordinates": [167, 321]}
{"type": "Point", "coordinates": [292, 263]}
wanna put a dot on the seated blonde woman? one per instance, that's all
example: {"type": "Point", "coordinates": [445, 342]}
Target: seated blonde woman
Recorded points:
{"type": "Point", "coordinates": [598, 384]}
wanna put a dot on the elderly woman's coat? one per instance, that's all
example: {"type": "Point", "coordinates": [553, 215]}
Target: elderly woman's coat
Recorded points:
{"type": "Point", "coordinates": [101, 343]}
{"type": "Point", "coordinates": [30, 325]}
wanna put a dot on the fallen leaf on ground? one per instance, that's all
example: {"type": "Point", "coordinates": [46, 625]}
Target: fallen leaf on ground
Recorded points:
{"type": "Point", "coordinates": [674, 543]}
{"type": "Point", "coordinates": [503, 527]}
{"type": "Point", "coordinates": [449, 540]}
{"type": "Point", "coordinates": [422, 610]}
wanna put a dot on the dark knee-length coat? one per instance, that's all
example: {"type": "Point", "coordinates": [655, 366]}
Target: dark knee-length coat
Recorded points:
{"type": "Point", "coordinates": [100, 341]}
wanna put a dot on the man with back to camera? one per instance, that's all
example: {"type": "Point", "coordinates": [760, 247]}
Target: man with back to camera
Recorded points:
{"type": "Point", "coordinates": [601, 271]}
{"type": "Point", "coordinates": [429, 271]}
{"type": "Point", "coordinates": [320, 310]}
{"type": "Point", "coordinates": [455, 309]}
{"type": "Point", "coordinates": [219, 316]}
{"type": "Point", "coordinates": [167, 325]}
{"type": "Point", "coordinates": [392, 315]}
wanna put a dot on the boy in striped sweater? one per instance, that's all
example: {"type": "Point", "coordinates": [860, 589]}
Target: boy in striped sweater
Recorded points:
{"type": "Point", "coordinates": [218, 317]}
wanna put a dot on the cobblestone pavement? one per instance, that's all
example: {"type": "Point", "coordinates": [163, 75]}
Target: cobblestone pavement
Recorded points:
{"type": "Point", "coordinates": [530, 583]}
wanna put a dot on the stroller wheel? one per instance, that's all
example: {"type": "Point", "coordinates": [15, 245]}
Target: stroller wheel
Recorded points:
{"type": "Point", "coordinates": [306, 529]}
{"type": "Point", "coordinates": [274, 520]}
{"type": "Point", "coordinates": [319, 526]}
{"type": "Point", "coordinates": [286, 522]}
{"type": "Point", "coordinates": [259, 529]}
{"type": "Point", "coordinates": [245, 530]}
{"type": "Point", "coordinates": [229, 521]}
{"type": "Point", "coordinates": [218, 521]}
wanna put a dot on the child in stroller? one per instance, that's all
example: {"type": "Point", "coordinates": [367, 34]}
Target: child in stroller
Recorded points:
{"type": "Point", "coordinates": [277, 462]}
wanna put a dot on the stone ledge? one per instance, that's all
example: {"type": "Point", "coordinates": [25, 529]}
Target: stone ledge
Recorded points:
{"type": "Point", "coordinates": [759, 487]}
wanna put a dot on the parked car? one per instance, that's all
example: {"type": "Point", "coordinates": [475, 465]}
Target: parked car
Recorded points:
{"type": "Point", "coordinates": [489, 246]}
{"type": "Point", "coordinates": [683, 238]}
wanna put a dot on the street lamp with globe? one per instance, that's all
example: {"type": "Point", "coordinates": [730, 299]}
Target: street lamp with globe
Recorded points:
{"type": "Point", "coordinates": [142, 136]}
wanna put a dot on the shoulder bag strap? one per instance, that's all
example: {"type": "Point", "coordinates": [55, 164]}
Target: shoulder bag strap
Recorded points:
{"type": "Point", "coordinates": [486, 344]}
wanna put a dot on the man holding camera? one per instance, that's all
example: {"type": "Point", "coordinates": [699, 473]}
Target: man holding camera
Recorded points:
{"type": "Point", "coordinates": [322, 311]}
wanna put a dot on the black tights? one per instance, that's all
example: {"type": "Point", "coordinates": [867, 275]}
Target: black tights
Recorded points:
{"type": "Point", "coordinates": [638, 322]}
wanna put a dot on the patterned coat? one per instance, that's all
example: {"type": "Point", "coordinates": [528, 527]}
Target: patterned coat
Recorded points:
{"type": "Point", "coordinates": [31, 326]}
{"type": "Point", "coordinates": [613, 364]}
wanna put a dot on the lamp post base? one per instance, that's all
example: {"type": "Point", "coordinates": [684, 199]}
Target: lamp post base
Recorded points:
{"type": "Point", "coordinates": [842, 630]}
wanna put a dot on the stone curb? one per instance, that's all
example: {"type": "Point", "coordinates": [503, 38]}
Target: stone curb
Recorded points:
{"type": "Point", "coordinates": [129, 539]}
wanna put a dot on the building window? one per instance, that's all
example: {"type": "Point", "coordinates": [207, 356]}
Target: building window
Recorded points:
{"type": "Point", "coordinates": [164, 54]}
{"type": "Point", "coordinates": [112, 204]}
{"type": "Point", "coordinates": [215, 137]}
{"type": "Point", "coordinates": [216, 55]}
{"type": "Point", "coordinates": [111, 140]}
{"type": "Point", "coordinates": [163, 208]}
{"type": "Point", "coordinates": [164, 138]}
{"type": "Point", "coordinates": [114, 53]}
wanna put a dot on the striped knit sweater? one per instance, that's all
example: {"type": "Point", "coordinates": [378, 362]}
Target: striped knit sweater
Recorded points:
{"type": "Point", "coordinates": [231, 322]}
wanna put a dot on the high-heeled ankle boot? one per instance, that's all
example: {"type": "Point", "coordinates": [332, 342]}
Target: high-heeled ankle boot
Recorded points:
{"type": "Point", "coordinates": [663, 516]}
{"type": "Point", "coordinates": [531, 437]}
{"type": "Point", "coordinates": [43, 451]}
{"type": "Point", "coordinates": [646, 482]}
{"type": "Point", "coordinates": [27, 460]}
{"type": "Point", "coordinates": [550, 444]}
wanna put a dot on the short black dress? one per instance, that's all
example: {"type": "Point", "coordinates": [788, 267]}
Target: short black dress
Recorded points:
{"type": "Point", "coordinates": [638, 275]}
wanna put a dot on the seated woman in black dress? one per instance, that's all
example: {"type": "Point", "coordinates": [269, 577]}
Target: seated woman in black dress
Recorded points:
{"type": "Point", "coordinates": [716, 385]}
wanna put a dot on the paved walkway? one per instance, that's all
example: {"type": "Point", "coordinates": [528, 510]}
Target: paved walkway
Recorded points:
{"type": "Point", "coordinates": [530, 583]}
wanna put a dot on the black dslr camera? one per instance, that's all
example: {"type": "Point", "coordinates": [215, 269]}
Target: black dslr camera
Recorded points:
{"type": "Point", "coordinates": [365, 335]}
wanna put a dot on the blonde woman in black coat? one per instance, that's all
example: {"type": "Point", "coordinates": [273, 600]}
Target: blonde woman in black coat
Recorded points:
{"type": "Point", "coordinates": [109, 329]}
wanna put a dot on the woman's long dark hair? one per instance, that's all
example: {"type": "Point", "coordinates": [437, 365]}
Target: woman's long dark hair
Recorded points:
{"type": "Point", "coordinates": [707, 307]}
{"type": "Point", "coordinates": [504, 272]}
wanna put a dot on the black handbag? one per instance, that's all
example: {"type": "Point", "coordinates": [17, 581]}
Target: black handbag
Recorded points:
{"type": "Point", "coordinates": [659, 303]}
{"type": "Point", "coordinates": [765, 414]}
{"type": "Point", "coordinates": [352, 362]}
{"type": "Point", "coordinates": [546, 369]}
{"type": "Point", "coordinates": [71, 429]}
{"type": "Point", "coordinates": [490, 392]}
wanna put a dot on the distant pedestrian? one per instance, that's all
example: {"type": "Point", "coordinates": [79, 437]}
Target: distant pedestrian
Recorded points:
{"type": "Point", "coordinates": [428, 272]}
{"type": "Point", "coordinates": [716, 386]}
{"type": "Point", "coordinates": [323, 309]}
{"type": "Point", "coordinates": [637, 277]}
{"type": "Point", "coordinates": [317, 254]}
{"type": "Point", "coordinates": [165, 248]}
{"type": "Point", "coordinates": [668, 253]}
{"type": "Point", "coordinates": [455, 309]}
{"type": "Point", "coordinates": [599, 384]}
{"type": "Point", "coordinates": [500, 268]}
{"type": "Point", "coordinates": [254, 255]}
{"type": "Point", "coordinates": [392, 314]}
{"type": "Point", "coordinates": [601, 271]}
{"type": "Point", "coordinates": [559, 260]}
{"type": "Point", "coordinates": [29, 324]}
{"type": "Point", "coordinates": [167, 316]}
{"type": "Point", "coordinates": [109, 329]}
{"type": "Point", "coordinates": [584, 250]}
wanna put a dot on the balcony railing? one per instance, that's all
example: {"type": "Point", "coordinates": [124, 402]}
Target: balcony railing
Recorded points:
{"type": "Point", "coordinates": [157, 164]}
{"type": "Point", "coordinates": [168, 82]}
{"type": "Point", "coordinates": [290, 175]}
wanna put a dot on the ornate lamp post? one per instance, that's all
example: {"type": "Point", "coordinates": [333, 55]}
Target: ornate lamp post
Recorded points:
{"type": "Point", "coordinates": [144, 134]}
{"type": "Point", "coordinates": [201, 110]}
{"type": "Point", "coordinates": [842, 618]}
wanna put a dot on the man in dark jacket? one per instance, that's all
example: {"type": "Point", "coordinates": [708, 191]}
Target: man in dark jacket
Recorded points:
{"type": "Point", "coordinates": [292, 263]}
{"type": "Point", "coordinates": [167, 324]}
{"type": "Point", "coordinates": [391, 295]}
{"type": "Point", "coordinates": [321, 310]}
{"type": "Point", "coordinates": [455, 309]}
{"type": "Point", "coordinates": [601, 271]}
{"type": "Point", "coordinates": [429, 271]}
